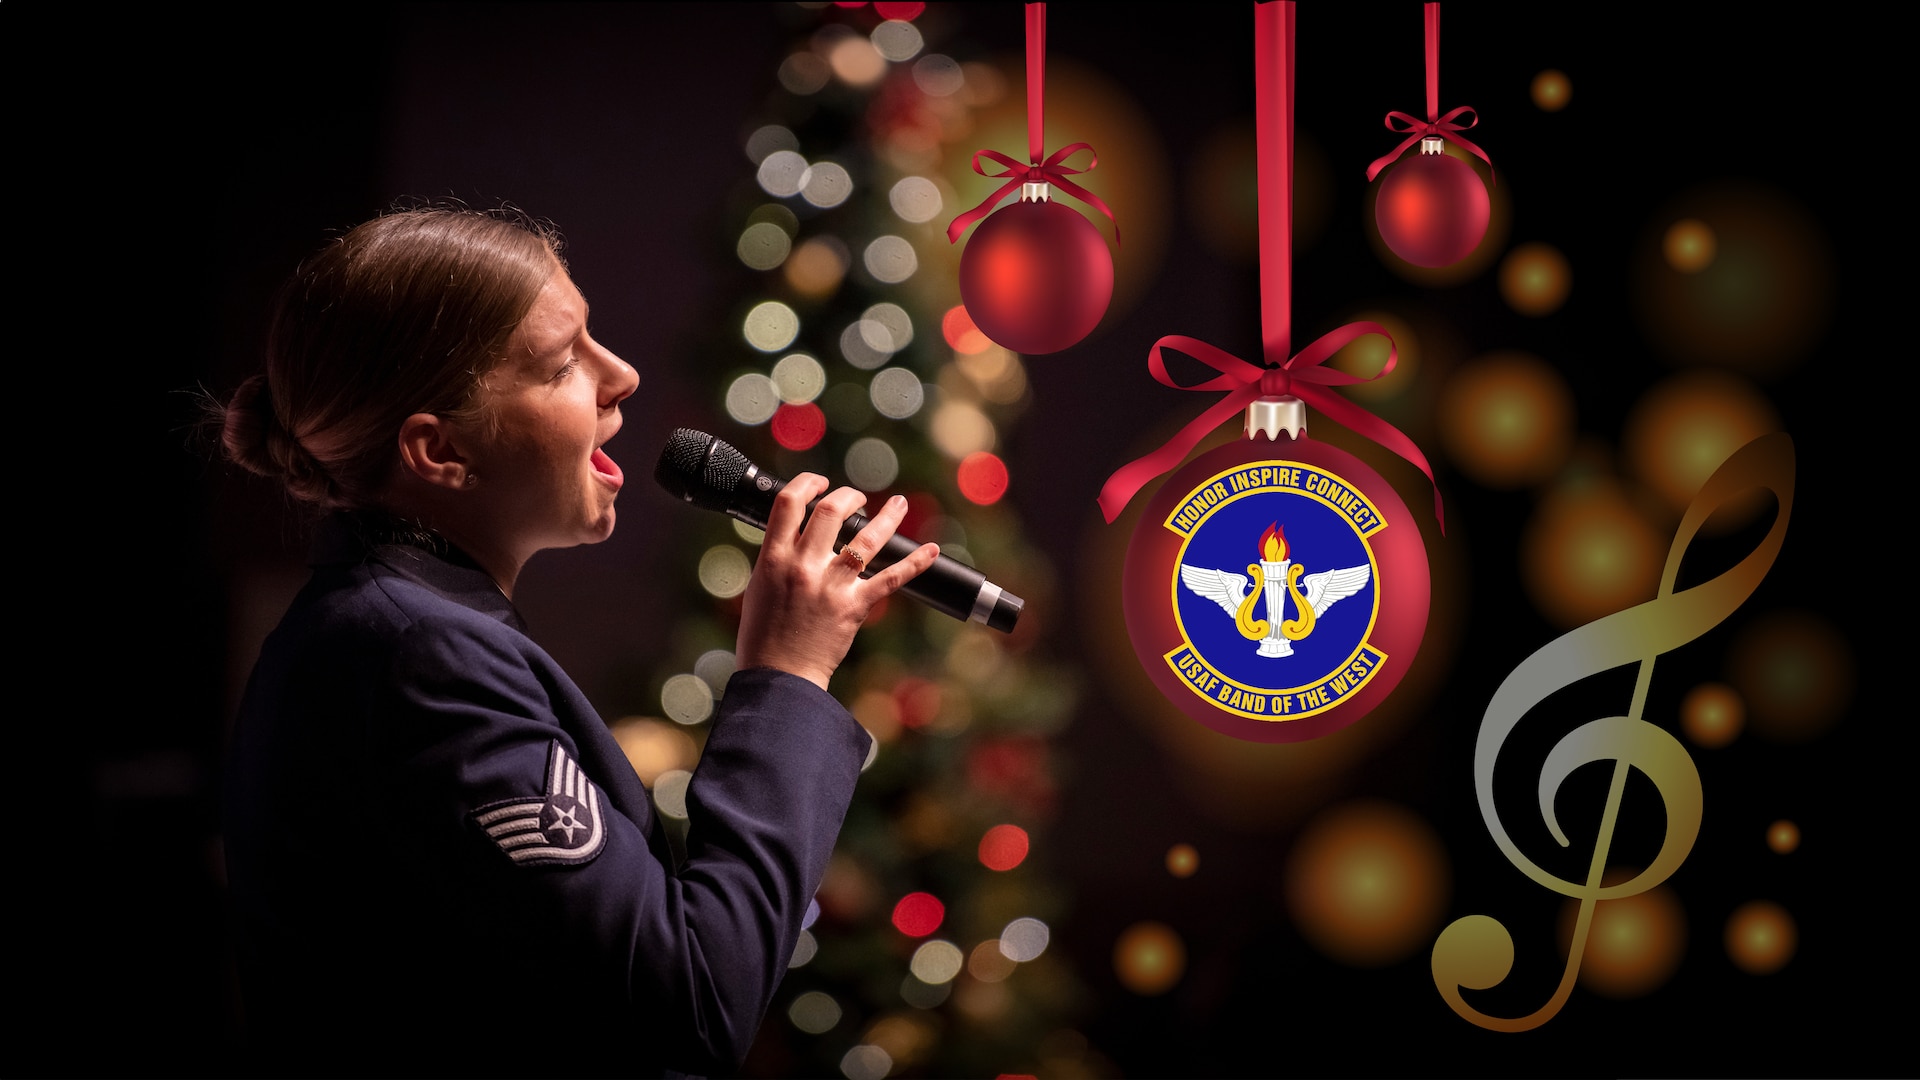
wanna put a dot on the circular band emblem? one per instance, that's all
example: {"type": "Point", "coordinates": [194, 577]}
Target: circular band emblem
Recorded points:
{"type": "Point", "coordinates": [1276, 591]}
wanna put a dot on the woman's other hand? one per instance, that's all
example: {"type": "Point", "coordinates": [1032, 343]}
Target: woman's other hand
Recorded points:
{"type": "Point", "coordinates": [805, 602]}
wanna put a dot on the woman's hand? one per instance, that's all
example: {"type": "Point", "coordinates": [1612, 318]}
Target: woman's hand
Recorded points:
{"type": "Point", "coordinates": [804, 602]}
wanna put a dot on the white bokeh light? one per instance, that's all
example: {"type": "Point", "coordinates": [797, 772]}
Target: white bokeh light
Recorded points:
{"type": "Point", "coordinates": [798, 378]}
{"type": "Point", "coordinates": [897, 39]}
{"type": "Point", "coordinates": [891, 259]}
{"type": "Point", "coordinates": [897, 393]}
{"type": "Point", "coordinates": [828, 185]}
{"type": "Point", "coordinates": [686, 699]}
{"type": "Point", "coordinates": [1024, 939]}
{"type": "Point", "coordinates": [752, 399]}
{"type": "Point", "coordinates": [770, 326]}
{"type": "Point", "coordinates": [783, 173]}
{"type": "Point", "coordinates": [937, 75]}
{"type": "Point", "coordinates": [916, 199]}
{"type": "Point", "coordinates": [871, 464]}
{"type": "Point", "coordinates": [764, 245]}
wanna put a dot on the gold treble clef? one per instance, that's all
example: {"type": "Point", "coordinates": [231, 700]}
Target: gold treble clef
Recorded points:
{"type": "Point", "coordinates": [1251, 628]}
{"type": "Point", "coordinates": [1476, 952]}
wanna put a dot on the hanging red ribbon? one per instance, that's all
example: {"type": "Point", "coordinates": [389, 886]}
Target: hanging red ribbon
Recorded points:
{"type": "Point", "coordinates": [1300, 374]}
{"type": "Point", "coordinates": [1446, 127]}
{"type": "Point", "coordinates": [1050, 170]}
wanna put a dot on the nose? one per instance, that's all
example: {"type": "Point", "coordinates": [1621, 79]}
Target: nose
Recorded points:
{"type": "Point", "coordinates": [618, 382]}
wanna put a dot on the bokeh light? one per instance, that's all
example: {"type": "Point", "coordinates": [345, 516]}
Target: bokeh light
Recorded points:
{"type": "Point", "coordinates": [897, 40]}
{"type": "Point", "coordinates": [1688, 425]}
{"type": "Point", "coordinates": [805, 948]}
{"type": "Point", "coordinates": [922, 995]}
{"type": "Point", "coordinates": [686, 699]}
{"type": "Point", "coordinates": [896, 393]}
{"type": "Point", "coordinates": [866, 1062]}
{"type": "Point", "coordinates": [828, 185]}
{"type": "Point", "coordinates": [1762, 303]}
{"type": "Point", "coordinates": [814, 1012]}
{"type": "Point", "coordinates": [1795, 672]}
{"type": "Point", "coordinates": [855, 61]}
{"type": "Point", "coordinates": [938, 76]}
{"type": "Point", "coordinates": [898, 10]}
{"type": "Point", "coordinates": [918, 914]}
{"type": "Point", "coordinates": [654, 746]}
{"type": "Point", "coordinates": [1149, 957]}
{"type": "Point", "coordinates": [858, 344]}
{"type": "Point", "coordinates": [1783, 837]}
{"type": "Point", "coordinates": [1552, 90]}
{"type": "Point", "coordinates": [1634, 944]}
{"type": "Point", "coordinates": [770, 326]}
{"type": "Point", "coordinates": [1761, 937]}
{"type": "Point", "coordinates": [960, 332]}
{"type": "Point", "coordinates": [935, 962]}
{"type": "Point", "coordinates": [871, 464]}
{"type": "Point", "coordinates": [749, 533]}
{"type": "Point", "coordinates": [764, 245]}
{"type": "Point", "coordinates": [1689, 245]}
{"type": "Point", "coordinates": [1183, 861]}
{"type": "Point", "coordinates": [988, 964]}
{"type": "Point", "coordinates": [915, 199]}
{"type": "Point", "coordinates": [887, 327]}
{"type": "Point", "coordinates": [798, 378]}
{"type": "Point", "coordinates": [848, 407]}
{"type": "Point", "coordinates": [670, 793]}
{"type": "Point", "coordinates": [1588, 552]}
{"type": "Point", "coordinates": [996, 372]}
{"type": "Point", "coordinates": [752, 398]}
{"type": "Point", "coordinates": [906, 1038]}
{"type": "Point", "coordinates": [1003, 847]}
{"type": "Point", "coordinates": [1712, 715]}
{"type": "Point", "coordinates": [1535, 279]}
{"type": "Point", "coordinates": [982, 478]}
{"type": "Point", "coordinates": [782, 173]}
{"type": "Point", "coordinates": [1024, 939]}
{"type": "Point", "coordinates": [959, 428]}
{"type": "Point", "coordinates": [891, 259]}
{"type": "Point", "coordinates": [1367, 883]}
{"type": "Point", "coordinates": [768, 139]}
{"type": "Point", "coordinates": [799, 427]}
{"type": "Point", "coordinates": [724, 570]}
{"type": "Point", "coordinates": [1507, 420]}
{"type": "Point", "coordinates": [804, 73]}
{"type": "Point", "coordinates": [817, 266]}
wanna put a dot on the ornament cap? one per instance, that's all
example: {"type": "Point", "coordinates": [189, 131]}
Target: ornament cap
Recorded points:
{"type": "Point", "coordinates": [1272, 415]}
{"type": "Point", "coordinates": [1032, 192]}
{"type": "Point", "coordinates": [1433, 144]}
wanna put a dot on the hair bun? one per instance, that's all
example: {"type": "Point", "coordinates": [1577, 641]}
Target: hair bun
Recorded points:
{"type": "Point", "coordinates": [254, 439]}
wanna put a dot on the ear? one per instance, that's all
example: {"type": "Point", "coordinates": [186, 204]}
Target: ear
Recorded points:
{"type": "Point", "coordinates": [427, 451]}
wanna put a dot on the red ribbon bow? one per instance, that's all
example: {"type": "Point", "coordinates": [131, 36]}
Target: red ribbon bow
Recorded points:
{"type": "Point", "coordinates": [1054, 170]}
{"type": "Point", "coordinates": [1302, 376]}
{"type": "Point", "coordinates": [1443, 126]}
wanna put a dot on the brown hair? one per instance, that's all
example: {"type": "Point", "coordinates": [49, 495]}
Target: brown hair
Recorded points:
{"type": "Point", "coordinates": [401, 315]}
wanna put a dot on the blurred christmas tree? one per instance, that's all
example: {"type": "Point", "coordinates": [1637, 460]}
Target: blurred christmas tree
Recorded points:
{"type": "Point", "coordinates": [852, 357]}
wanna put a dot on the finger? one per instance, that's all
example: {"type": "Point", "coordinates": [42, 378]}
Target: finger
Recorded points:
{"type": "Point", "coordinates": [790, 509]}
{"type": "Point", "coordinates": [888, 581]}
{"type": "Point", "coordinates": [822, 532]}
{"type": "Point", "coordinates": [874, 536]}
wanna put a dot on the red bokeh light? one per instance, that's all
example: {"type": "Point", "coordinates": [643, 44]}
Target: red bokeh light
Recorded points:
{"type": "Point", "coordinates": [799, 427]}
{"type": "Point", "coordinates": [958, 328]}
{"type": "Point", "coordinates": [918, 914]}
{"type": "Point", "coordinates": [982, 477]}
{"type": "Point", "coordinates": [1003, 847]}
{"type": "Point", "coordinates": [907, 12]}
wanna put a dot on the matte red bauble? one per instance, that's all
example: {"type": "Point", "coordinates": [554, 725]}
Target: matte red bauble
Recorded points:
{"type": "Point", "coordinates": [1036, 277]}
{"type": "Point", "coordinates": [1432, 209]}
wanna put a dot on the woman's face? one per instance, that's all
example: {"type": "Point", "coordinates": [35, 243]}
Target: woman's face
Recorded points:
{"type": "Point", "coordinates": [546, 411]}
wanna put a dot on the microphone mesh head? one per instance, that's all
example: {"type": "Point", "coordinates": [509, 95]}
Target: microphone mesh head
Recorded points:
{"type": "Point", "coordinates": [701, 469]}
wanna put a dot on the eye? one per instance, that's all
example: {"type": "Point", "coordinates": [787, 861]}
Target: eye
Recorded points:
{"type": "Point", "coordinates": [568, 368]}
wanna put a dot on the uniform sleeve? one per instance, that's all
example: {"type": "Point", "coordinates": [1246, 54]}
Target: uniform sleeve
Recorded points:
{"type": "Point", "coordinates": [507, 759]}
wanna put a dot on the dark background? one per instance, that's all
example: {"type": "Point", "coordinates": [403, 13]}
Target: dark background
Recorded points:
{"type": "Point", "coordinates": [230, 148]}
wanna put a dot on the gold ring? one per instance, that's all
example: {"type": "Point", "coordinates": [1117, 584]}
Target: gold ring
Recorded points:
{"type": "Point", "coordinates": [858, 560]}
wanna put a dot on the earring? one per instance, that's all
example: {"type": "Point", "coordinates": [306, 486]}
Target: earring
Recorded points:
{"type": "Point", "coordinates": [472, 479]}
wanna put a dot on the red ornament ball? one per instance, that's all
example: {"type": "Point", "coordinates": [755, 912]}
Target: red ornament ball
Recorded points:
{"type": "Point", "coordinates": [1036, 277]}
{"type": "Point", "coordinates": [1432, 209]}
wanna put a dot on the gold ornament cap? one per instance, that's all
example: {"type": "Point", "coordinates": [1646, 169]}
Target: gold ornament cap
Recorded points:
{"type": "Point", "coordinates": [1036, 192]}
{"type": "Point", "coordinates": [1433, 144]}
{"type": "Point", "coordinates": [1272, 415]}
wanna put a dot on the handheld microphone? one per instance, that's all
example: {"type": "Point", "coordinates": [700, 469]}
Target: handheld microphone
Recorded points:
{"type": "Point", "coordinates": [704, 470]}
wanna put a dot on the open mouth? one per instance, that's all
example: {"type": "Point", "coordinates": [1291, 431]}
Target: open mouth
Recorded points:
{"type": "Point", "coordinates": [605, 466]}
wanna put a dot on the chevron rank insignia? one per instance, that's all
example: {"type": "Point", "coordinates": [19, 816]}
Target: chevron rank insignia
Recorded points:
{"type": "Point", "coordinates": [568, 825]}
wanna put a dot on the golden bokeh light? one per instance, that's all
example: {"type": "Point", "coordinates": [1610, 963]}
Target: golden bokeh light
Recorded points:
{"type": "Point", "coordinates": [1634, 945]}
{"type": "Point", "coordinates": [1761, 937]}
{"type": "Point", "coordinates": [1761, 302]}
{"type": "Point", "coordinates": [655, 746]}
{"type": "Point", "coordinates": [988, 964]}
{"type": "Point", "coordinates": [1712, 715]}
{"type": "Point", "coordinates": [1796, 673]}
{"type": "Point", "coordinates": [1589, 551]}
{"type": "Point", "coordinates": [906, 1038]}
{"type": "Point", "coordinates": [1367, 883]}
{"type": "Point", "coordinates": [1687, 426]}
{"type": "Point", "coordinates": [1507, 420]}
{"type": "Point", "coordinates": [816, 268]}
{"type": "Point", "coordinates": [1183, 861]}
{"type": "Point", "coordinates": [1689, 245]}
{"type": "Point", "coordinates": [1783, 837]}
{"type": "Point", "coordinates": [1149, 957]}
{"type": "Point", "coordinates": [1551, 90]}
{"type": "Point", "coordinates": [1535, 279]}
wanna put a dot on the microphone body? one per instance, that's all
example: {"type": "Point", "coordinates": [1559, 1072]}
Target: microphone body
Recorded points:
{"type": "Point", "coordinates": [709, 473]}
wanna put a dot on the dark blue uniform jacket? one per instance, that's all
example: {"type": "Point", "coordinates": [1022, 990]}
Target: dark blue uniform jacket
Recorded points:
{"type": "Point", "coordinates": [442, 862]}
